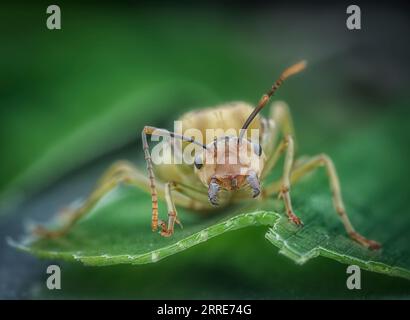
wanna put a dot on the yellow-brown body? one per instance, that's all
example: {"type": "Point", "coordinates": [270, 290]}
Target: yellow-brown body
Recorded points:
{"type": "Point", "coordinates": [212, 179]}
{"type": "Point", "coordinates": [223, 119]}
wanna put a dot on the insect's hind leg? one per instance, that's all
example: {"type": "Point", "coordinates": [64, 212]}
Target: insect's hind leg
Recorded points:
{"type": "Point", "coordinates": [119, 172]}
{"type": "Point", "coordinates": [323, 160]}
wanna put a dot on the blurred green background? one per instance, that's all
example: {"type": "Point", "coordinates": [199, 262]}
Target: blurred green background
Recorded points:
{"type": "Point", "coordinates": [74, 100]}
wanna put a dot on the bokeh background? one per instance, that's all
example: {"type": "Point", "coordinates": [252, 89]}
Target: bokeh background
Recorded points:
{"type": "Point", "coordinates": [74, 100]}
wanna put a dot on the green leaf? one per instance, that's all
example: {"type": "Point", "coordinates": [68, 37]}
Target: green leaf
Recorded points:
{"type": "Point", "coordinates": [130, 240]}
{"type": "Point", "coordinates": [117, 231]}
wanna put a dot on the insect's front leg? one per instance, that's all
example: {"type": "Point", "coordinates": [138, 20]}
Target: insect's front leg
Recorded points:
{"type": "Point", "coordinates": [287, 145]}
{"type": "Point", "coordinates": [168, 230]}
{"type": "Point", "coordinates": [197, 202]}
{"type": "Point", "coordinates": [312, 164]}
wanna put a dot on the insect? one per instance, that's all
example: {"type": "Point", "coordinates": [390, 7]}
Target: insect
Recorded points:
{"type": "Point", "coordinates": [205, 184]}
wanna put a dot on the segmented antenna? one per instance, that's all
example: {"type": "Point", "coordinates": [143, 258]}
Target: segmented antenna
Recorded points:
{"type": "Point", "coordinates": [154, 195]}
{"type": "Point", "coordinates": [296, 68]}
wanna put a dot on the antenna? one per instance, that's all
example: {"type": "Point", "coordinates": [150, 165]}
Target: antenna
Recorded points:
{"type": "Point", "coordinates": [296, 68]}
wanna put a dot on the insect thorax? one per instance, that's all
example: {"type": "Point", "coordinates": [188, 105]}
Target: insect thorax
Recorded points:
{"type": "Point", "coordinates": [225, 120]}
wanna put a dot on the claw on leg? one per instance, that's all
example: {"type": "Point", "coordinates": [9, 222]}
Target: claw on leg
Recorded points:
{"type": "Point", "coordinates": [165, 232]}
{"type": "Point", "coordinates": [168, 230]}
{"type": "Point", "coordinates": [285, 196]}
{"type": "Point", "coordinates": [294, 218]}
{"type": "Point", "coordinates": [45, 233]}
{"type": "Point", "coordinates": [310, 165]}
{"type": "Point", "coordinates": [371, 244]}
{"type": "Point", "coordinates": [67, 218]}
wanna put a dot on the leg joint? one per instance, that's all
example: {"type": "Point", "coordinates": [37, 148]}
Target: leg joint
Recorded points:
{"type": "Point", "coordinates": [324, 158]}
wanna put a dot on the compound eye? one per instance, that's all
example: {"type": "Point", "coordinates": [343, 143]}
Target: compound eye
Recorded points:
{"type": "Point", "coordinates": [198, 163]}
{"type": "Point", "coordinates": [257, 148]}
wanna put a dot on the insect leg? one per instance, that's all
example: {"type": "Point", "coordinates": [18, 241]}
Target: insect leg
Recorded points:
{"type": "Point", "coordinates": [154, 195]}
{"type": "Point", "coordinates": [296, 68]}
{"type": "Point", "coordinates": [199, 197]}
{"type": "Point", "coordinates": [284, 190]}
{"type": "Point", "coordinates": [285, 187]}
{"type": "Point", "coordinates": [323, 160]}
{"type": "Point", "coordinates": [120, 172]}
{"type": "Point", "coordinates": [197, 202]}
{"type": "Point", "coordinates": [280, 121]}
{"type": "Point", "coordinates": [167, 231]}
